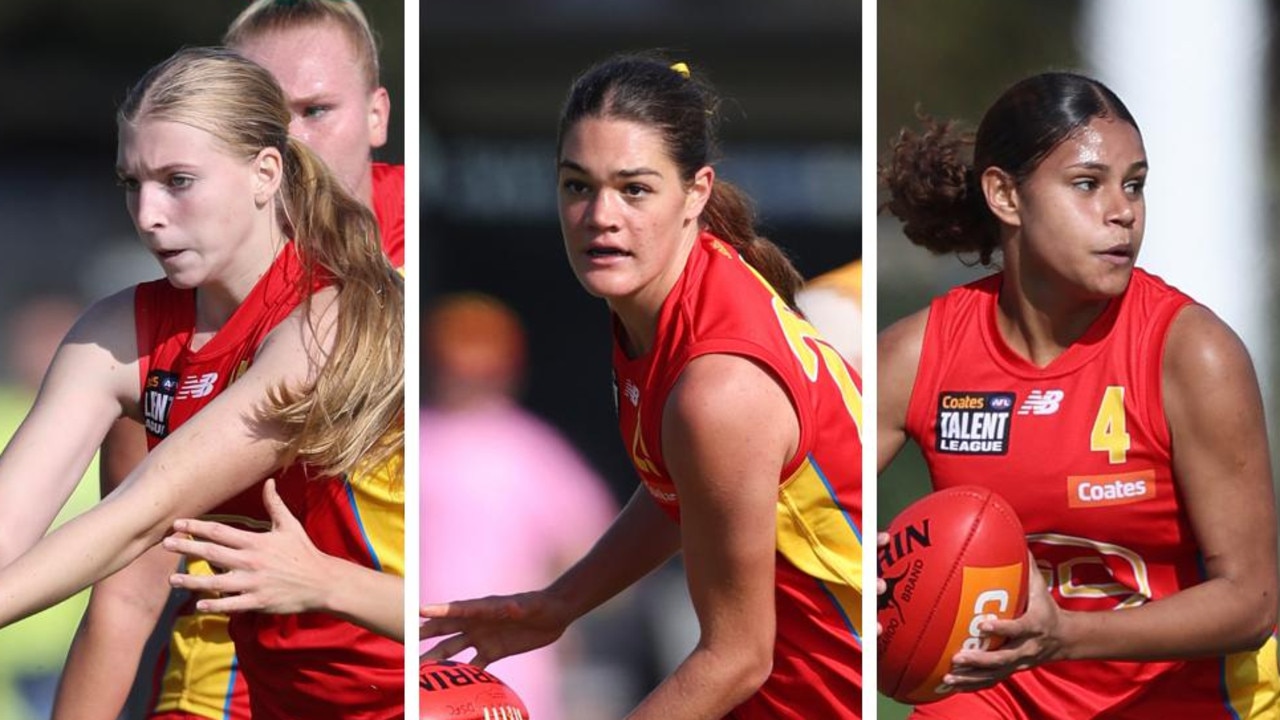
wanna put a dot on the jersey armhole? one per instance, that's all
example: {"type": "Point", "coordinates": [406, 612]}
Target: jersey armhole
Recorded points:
{"type": "Point", "coordinates": [144, 330]}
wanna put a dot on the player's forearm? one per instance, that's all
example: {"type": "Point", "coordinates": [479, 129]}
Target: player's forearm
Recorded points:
{"type": "Point", "coordinates": [1213, 618]}
{"type": "Point", "coordinates": [104, 656]}
{"type": "Point", "coordinates": [99, 671]}
{"type": "Point", "coordinates": [708, 684]}
{"type": "Point", "coordinates": [96, 678]}
{"type": "Point", "coordinates": [76, 555]}
{"type": "Point", "coordinates": [639, 540]}
{"type": "Point", "coordinates": [371, 599]}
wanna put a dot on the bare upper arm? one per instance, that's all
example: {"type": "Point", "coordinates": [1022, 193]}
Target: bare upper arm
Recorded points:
{"type": "Point", "coordinates": [898, 349]}
{"type": "Point", "coordinates": [728, 429]}
{"type": "Point", "coordinates": [1220, 457]}
{"type": "Point", "coordinates": [91, 381]}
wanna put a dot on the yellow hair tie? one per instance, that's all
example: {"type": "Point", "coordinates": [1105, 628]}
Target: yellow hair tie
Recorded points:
{"type": "Point", "coordinates": [682, 69]}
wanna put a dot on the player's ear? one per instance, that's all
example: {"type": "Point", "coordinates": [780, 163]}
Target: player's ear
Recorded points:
{"type": "Point", "coordinates": [1001, 192]}
{"type": "Point", "coordinates": [379, 117]}
{"type": "Point", "coordinates": [699, 192]}
{"type": "Point", "coordinates": [268, 173]}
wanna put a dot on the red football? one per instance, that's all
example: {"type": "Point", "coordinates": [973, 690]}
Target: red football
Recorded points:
{"type": "Point", "coordinates": [954, 558]}
{"type": "Point", "coordinates": [449, 690]}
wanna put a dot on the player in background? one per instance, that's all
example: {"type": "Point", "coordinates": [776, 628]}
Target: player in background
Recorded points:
{"type": "Point", "coordinates": [473, 372]}
{"type": "Point", "coordinates": [324, 55]}
{"type": "Point", "coordinates": [1122, 421]}
{"type": "Point", "coordinates": [732, 409]}
{"type": "Point", "coordinates": [270, 286]}
{"type": "Point", "coordinates": [832, 302]}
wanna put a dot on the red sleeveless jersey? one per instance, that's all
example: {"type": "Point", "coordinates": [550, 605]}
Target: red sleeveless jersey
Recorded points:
{"type": "Point", "coordinates": [388, 206]}
{"type": "Point", "coordinates": [321, 660]}
{"type": "Point", "coordinates": [1081, 449]}
{"type": "Point", "coordinates": [721, 305]}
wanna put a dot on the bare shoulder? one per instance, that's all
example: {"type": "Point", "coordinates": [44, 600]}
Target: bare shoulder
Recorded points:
{"type": "Point", "coordinates": [108, 321]}
{"type": "Point", "coordinates": [717, 386]}
{"type": "Point", "coordinates": [898, 349]}
{"type": "Point", "coordinates": [720, 398]}
{"type": "Point", "coordinates": [1202, 351]}
{"type": "Point", "coordinates": [904, 338]}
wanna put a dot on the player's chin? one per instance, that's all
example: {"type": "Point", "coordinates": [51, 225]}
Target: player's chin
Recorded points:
{"type": "Point", "coordinates": [606, 284]}
{"type": "Point", "coordinates": [1109, 284]}
{"type": "Point", "coordinates": [184, 279]}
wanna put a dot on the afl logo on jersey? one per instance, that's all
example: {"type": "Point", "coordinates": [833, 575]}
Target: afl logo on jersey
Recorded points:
{"type": "Point", "coordinates": [974, 423]}
{"type": "Point", "coordinates": [157, 400]}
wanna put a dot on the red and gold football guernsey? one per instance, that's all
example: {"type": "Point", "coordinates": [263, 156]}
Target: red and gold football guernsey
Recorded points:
{"type": "Point", "coordinates": [201, 673]}
{"type": "Point", "coordinates": [316, 665]}
{"type": "Point", "coordinates": [1081, 449]}
{"type": "Point", "coordinates": [388, 206]}
{"type": "Point", "coordinates": [722, 305]}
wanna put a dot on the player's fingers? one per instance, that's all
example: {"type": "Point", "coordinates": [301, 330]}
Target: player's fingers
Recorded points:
{"type": "Point", "coordinates": [215, 554]}
{"type": "Point", "coordinates": [442, 627]}
{"type": "Point", "coordinates": [482, 659]}
{"type": "Point", "coordinates": [483, 609]}
{"type": "Point", "coordinates": [987, 661]}
{"type": "Point", "coordinates": [276, 509]}
{"type": "Point", "coordinates": [970, 681]}
{"type": "Point", "coordinates": [448, 648]}
{"type": "Point", "coordinates": [197, 583]}
{"type": "Point", "coordinates": [229, 604]}
{"type": "Point", "coordinates": [212, 531]}
{"type": "Point", "coordinates": [882, 539]}
{"type": "Point", "coordinates": [224, 583]}
{"type": "Point", "coordinates": [1007, 629]}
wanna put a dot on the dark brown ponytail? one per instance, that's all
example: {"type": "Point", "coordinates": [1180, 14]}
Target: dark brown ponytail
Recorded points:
{"type": "Point", "coordinates": [731, 216]}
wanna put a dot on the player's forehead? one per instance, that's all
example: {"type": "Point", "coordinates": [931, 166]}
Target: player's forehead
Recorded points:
{"type": "Point", "coordinates": [151, 142]}
{"type": "Point", "coordinates": [314, 52]}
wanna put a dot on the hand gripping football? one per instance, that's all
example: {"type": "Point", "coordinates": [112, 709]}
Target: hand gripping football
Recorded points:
{"type": "Point", "coordinates": [955, 557]}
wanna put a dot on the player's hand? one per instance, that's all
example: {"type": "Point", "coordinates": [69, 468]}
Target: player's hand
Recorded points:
{"type": "Point", "coordinates": [1030, 640]}
{"type": "Point", "coordinates": [882, 539]}
{"type": "Point", "coordinates": [279, 571]}
{"type": "Point", "coordinates": [495, 626]}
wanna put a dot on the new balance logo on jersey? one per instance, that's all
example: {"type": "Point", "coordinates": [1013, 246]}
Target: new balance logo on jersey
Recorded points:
{"type": "Point", "coordinates": [633, 392]}
{"type": "Point", "coordinates": [157, 400]}
{"type": "Point", "coordinates": [974, 423]}
{"type": "Point", "coordinates": [197, 386]}
{"type": "Point", "coordinates": [1042, 402]}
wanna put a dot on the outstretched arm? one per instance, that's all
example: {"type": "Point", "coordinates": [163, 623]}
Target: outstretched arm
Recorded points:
{"type": "Point", "coordinates": [223, 449]}
{"type": "Point", "coordinates": [639, 540]}
{"type": "Point", "coordinates": [281, 571]}
{"type": "Point", "coordinates": [87, 386]}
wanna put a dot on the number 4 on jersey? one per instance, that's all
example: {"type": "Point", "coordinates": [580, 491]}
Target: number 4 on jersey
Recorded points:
{"type": "Point", "coordinates": [1109, 434]}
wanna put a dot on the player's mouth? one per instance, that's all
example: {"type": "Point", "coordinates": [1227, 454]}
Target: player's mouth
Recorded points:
{"type": "Point", "coordinates": [1119, 254]}
{"type": "Point", "coordinates": [165, 255]}
{"type": "Point", "coordinates": [605, 254]}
